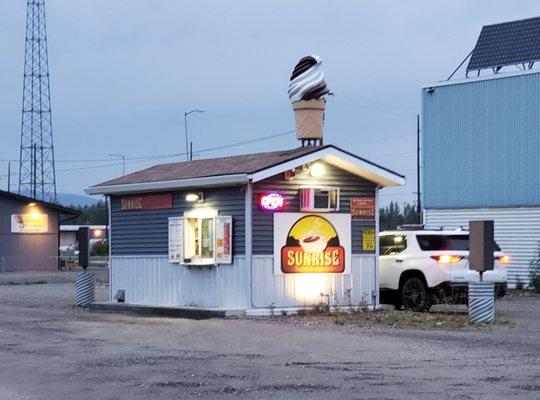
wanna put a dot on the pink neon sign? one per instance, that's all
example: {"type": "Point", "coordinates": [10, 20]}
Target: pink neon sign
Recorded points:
{"type": "Point", "coordinates": [271, 202]}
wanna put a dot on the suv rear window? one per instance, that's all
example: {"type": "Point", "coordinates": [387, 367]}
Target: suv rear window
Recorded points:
{"type": "Point", "coordinates": [392, 244]}
{"type": "Point", "coordinates": [446, 242]}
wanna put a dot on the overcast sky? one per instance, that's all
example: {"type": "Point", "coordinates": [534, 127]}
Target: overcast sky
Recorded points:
{"type": "Point", "coordinates": [123, 72]}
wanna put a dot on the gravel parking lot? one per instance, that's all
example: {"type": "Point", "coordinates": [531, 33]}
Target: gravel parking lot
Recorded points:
{"type": "Point", "coordinates": [49, 350]}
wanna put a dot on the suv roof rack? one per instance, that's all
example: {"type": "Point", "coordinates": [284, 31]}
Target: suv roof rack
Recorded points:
{"type": "Point", "coordinates": [410, 227]}
{"type": "Point", "coordinates": [459, 228]}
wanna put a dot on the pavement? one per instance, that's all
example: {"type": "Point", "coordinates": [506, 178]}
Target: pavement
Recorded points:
{"type": "Point", "coordinates": [43, 277]}
{"type": "Point", "coordinates": [51, 350]}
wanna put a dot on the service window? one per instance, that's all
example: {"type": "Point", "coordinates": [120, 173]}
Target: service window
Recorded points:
{"type": "Point", "coordinates": [319, 199]}
{"type": "Point", "coordinates": [200, 240]}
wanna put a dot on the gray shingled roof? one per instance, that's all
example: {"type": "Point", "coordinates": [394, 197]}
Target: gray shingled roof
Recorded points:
{"type": "Point", "coordinates": [242, 164]}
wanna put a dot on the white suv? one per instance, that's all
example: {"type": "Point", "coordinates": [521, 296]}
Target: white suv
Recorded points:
{"type": "Point", "coordinates": [421, 267]}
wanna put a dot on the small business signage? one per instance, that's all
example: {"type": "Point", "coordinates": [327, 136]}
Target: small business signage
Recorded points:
{"type": "Point", "coordinates": [363, 208]}
{"type": "Point", "coordinates": [312, 243]}
{"type": "Point", "coordinates": [271, 202]}
{"type": "Point", "coordinates": [147, 202]}
{"type": "Point", "coordinates": [368, 240]}
{"type": "Point", "coordinates": [29, 223]}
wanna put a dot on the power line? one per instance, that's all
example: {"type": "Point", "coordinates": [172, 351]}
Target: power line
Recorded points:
{"type": "Point", "coordinates": [376, 102]}
{"type": "Point", "coordinates": [396, 154]}
{"type": "Point", "coordinates": [373, 109]}
{"type": "Point", "coordinates": [134, 160]}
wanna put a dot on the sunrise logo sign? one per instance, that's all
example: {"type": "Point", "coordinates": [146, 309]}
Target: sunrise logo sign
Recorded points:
{"type": "Point", "coordinates": [312, 246]}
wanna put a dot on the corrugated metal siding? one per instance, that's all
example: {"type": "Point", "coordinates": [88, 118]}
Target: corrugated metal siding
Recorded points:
{"type": "Point", "coordinates": [152, 280]}
{"type": "Point", "coordinates": [146, 232]}
{"type": "Point", "coordinates": [517, 231]}
{"type": "Point", "coordinates": [349, 185]}
{"type": "Point", "coordinates": [481, 143]}
{"type": "Point", "coordinates": [296, 290]}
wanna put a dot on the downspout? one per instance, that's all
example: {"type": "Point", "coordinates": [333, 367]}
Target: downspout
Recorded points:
{"type": "Point", "coordinates": [376, 291]}
{"type": "Point", "coordinates": [109, 241]}
{"type": "Point", "coordinates": [249, 237]}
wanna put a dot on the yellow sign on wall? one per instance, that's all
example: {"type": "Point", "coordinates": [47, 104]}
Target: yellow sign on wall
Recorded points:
{"type": "Point", "coordinates": [29, 223]}
{"type": "Point", "coordinates": [368, 239]}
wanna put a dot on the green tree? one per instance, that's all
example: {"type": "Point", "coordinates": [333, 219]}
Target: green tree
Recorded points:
{"type": "Point", "coordinates": [95, 214]}
{"type": "Point", "coordinates": [391, 216]}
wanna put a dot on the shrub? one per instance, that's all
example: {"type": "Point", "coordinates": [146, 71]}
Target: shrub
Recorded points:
{"type": "Point", "coordinates": [100, 248]}
{"type": "Point", "coordinates": [534, 271]}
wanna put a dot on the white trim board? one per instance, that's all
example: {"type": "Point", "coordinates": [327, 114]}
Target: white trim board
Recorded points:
{"type": "Point", "coordinates": [219, 180]}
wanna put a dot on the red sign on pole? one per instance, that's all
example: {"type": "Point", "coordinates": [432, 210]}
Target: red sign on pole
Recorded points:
{"type": "Point", "coordinates": [363, 207]}
{"type": "Point", "coordinates": [147, 202]}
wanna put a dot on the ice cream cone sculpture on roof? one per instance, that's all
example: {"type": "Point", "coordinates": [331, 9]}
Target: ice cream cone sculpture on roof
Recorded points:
{"type": "Point", "coordinates": [307, 91]}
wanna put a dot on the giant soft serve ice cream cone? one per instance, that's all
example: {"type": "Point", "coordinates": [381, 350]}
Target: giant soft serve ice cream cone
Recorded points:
{"type": "Point", "coordinates": [307, 89]}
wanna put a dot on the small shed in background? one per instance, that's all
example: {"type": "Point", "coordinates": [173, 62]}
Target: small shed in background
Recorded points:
{"type": "Point", "coordinates": [29, 232]}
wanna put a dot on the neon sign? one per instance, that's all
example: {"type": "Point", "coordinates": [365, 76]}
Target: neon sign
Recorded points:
{"type": "Point", "coordinates": [271, 202]}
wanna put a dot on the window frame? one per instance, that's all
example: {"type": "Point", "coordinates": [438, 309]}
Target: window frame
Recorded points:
{"type": "Point", "coordinates": [322, 188]}
{"type": "Point", "coordinates": [405, 245]}
{"type": "Point", "coordinates": [199, 215]}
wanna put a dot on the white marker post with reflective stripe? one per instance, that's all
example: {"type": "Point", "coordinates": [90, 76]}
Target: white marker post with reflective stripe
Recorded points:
{"type": "Point", "coordinates": [481, 294]}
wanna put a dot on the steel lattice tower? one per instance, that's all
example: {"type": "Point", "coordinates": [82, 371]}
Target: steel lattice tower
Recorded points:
{"type": "Point", "coordinates": [37, 177]}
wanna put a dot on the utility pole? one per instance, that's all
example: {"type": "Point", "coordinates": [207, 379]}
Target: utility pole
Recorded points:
{"type": "Point", "coordinates": [37, 175]}
{"type": "Point", "coordinates": [9, 177]}
{"type": "Point", "coordinates": [186, 113]}
{"type": "Point", "coordinates": [418, 201]}
{"type": "Point", "coordinates": [123, 157]}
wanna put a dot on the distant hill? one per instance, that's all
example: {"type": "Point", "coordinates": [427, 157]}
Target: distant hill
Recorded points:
{"type": "Point", "coordinates": [70, 199]}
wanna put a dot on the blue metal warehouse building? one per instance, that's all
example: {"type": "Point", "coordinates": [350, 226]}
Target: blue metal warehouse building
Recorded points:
{"type": "Point", "coordinates": [481, 155]}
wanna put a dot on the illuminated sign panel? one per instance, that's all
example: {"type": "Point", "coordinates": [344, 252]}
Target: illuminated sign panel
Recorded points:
{"type": "Point", "coordinates": [312, 243]}
{"type": "Point", "coordinates": [29, 223]}
{"type": "Point", "coordinates": [271, 202]}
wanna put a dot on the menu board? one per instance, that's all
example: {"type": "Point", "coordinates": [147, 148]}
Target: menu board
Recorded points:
{"type": "Point", "coordinates": [176, 239]}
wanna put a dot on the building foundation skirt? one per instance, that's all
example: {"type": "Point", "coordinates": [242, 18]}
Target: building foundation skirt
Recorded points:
{"type": "Point", "coordinates": [481, 302]}
{"type": "Point", "coordinates": [85, 288]}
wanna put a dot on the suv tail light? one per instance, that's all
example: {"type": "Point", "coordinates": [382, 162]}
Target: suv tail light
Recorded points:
{"type": "Point", "coordinates": [447, 259]}
{"type": "Point", "coordinates": [503, 259]}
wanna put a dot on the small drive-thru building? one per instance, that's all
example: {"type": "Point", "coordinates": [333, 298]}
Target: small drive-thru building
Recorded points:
{"type": "Point", "coordinates": [254, 232]}
{"type": "Point", "coordinates": [481, 143]}
{"type": "Point", "coordinates": [29, 232]}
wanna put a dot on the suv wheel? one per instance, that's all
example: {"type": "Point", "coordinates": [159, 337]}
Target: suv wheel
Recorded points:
{"type": "Point", "coordinates": [415, 296]}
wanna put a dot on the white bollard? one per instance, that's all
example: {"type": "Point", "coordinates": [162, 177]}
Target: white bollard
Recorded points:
{"type": "Point", "coordinates": [481, 302]}
{"type": "Point", "coordinates": [85, 288]}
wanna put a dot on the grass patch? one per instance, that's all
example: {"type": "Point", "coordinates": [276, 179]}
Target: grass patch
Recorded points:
{"type": "Point", "coordinates": [362, 316]}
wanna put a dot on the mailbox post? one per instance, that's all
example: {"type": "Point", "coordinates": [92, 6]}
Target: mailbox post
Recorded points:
{"type": "Point", "coordinates": [481, 293]}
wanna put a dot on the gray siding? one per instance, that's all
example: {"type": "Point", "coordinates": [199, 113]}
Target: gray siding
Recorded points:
{"type": "Point", "coordinates": [146, 232]}
{"type": "Point", "coordinates": [30, 251]}
{"type": "Point", "coordinates": [349, 185]}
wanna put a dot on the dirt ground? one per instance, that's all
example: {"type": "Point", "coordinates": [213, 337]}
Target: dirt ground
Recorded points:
{"type": "Point", "coordinates": [48, 350]}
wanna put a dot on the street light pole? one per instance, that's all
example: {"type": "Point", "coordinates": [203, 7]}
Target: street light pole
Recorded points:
{"type": "Point", "coordinates": [123, 157]}
{"type": "Point", "coordinates": [186, 113]}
